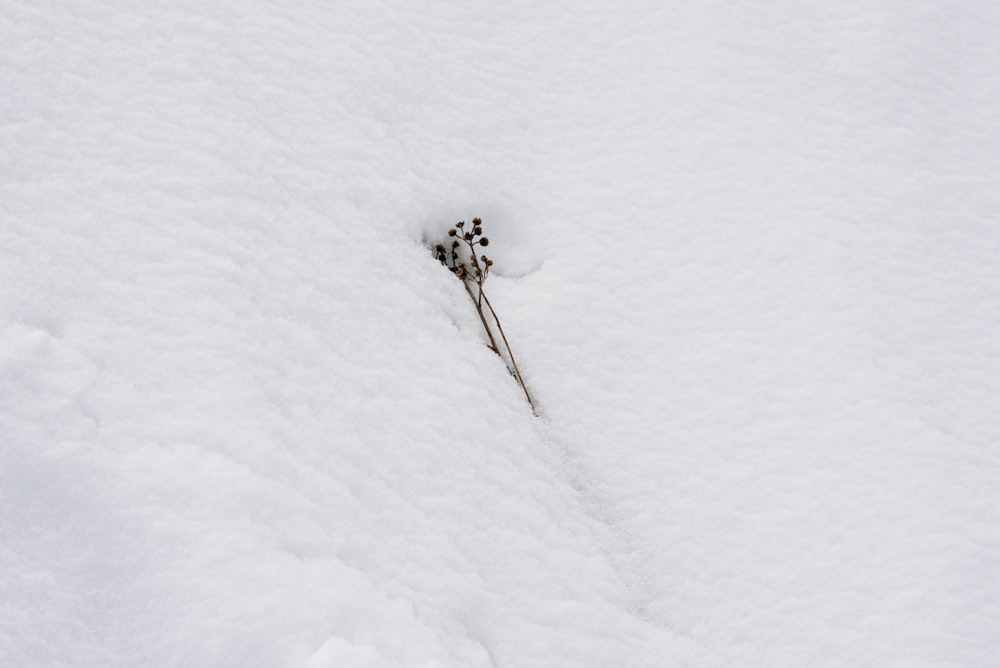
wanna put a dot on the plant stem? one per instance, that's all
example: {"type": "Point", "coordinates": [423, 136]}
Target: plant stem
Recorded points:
{"type": "Point", "coordinates": [482, 317]}
{"type": "Point", "coordinates": [478, 274]}
{"type": "Point", "coordinates": [517, 372]}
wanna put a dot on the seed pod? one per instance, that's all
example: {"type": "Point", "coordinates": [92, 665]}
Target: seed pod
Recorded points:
{"type": "Point", "coordinates": [452, 232]}
{"type": "Point", "coordinates": [484, 242]}
{"type": "Point", "coordinates": [477, 230]}
{"type": "Point", "coordinates": [489, 263]}
{"type": "Point", "coordinates": [460, 224]}
{"type": "Point", "coordinates": [477, 221]}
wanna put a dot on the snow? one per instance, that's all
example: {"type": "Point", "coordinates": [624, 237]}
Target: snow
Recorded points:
{"type": "Point", "coordinates": [745, 255]}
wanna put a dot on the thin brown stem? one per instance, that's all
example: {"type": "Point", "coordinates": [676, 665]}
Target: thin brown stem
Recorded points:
{"type": "Point", "coordinates": [476, 271]}
{"type": "Point", "coordinates": [517, 372]}
{"type": "Point", "coordinates": [482, 317]}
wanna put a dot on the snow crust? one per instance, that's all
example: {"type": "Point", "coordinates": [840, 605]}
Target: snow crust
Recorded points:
{"type": "Point", "coordinates": [746, 254]}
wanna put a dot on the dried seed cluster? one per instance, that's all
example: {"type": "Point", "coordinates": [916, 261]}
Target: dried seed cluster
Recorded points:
{"type": "Point", "coordinates": [475, 268]}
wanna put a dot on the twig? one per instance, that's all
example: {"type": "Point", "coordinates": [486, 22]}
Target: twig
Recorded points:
{"type": "Point", "coordinates": [479, 310]}
{"type": "Point", "coordinates": [517, 372]}
{"type": "Point", "coordinates": [476, 272]}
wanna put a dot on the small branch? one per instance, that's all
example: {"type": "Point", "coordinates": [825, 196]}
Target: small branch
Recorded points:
{"type": "Point", "coordinates": [476, 271]}
{"type": "Point", "coordinates": [517, 372]}
{"type": "Point", "coordinates": [479, 309]}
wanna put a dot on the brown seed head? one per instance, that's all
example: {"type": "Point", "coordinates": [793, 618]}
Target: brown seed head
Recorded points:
{"type": "Point", "coordinates": [484, 242]}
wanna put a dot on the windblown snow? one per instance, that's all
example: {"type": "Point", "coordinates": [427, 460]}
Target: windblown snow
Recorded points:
{"type": "Point", "coordinates": [746, 254]}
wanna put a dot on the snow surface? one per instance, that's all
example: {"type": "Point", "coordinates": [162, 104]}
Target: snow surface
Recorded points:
{"type": "Point", "coordinates": [746, 254]}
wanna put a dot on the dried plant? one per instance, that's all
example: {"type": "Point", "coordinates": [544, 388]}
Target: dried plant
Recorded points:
{"type": "Point", "coordinates": [473, 272]}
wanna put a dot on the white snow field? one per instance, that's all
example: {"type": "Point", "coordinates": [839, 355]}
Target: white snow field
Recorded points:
{"type": "Point", "coordinates": [747, 253]}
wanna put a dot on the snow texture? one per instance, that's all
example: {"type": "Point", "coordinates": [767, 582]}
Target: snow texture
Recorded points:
{"type": "Point", "coordinates": [746, 254]}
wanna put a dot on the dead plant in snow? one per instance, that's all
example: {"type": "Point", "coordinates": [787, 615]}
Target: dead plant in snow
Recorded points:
{"type": "Point", "coordinates": [473, 272]}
